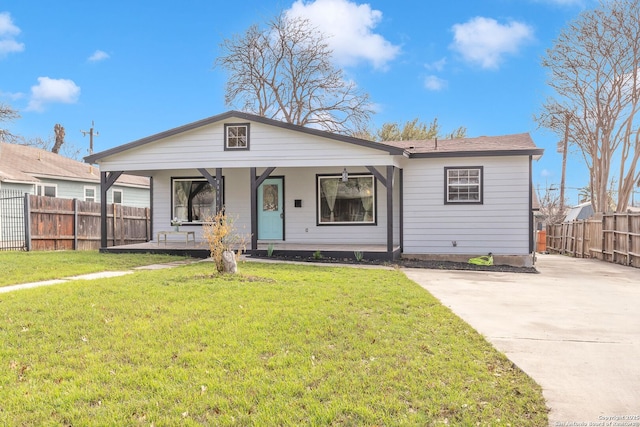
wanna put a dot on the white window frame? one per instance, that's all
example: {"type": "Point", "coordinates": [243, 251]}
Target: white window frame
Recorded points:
{"type": "Point", "coordinates": [95, 193]}
{"type": "Point", "coordinates": [41, 189]}
{"type": "Point", "coordinates": [236, 136]}
{"type": "Point", "coordinates": [180, 211]}
{"type": "Point", "coordinates": [464, 185]}
{"type": "Point", "coordinates": [113, 197]}
{"type": "Point", "coordinates": [368, 217]}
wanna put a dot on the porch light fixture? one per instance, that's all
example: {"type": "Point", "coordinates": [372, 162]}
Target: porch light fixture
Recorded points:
{"type": "Point", "coordinates": [345, 175]}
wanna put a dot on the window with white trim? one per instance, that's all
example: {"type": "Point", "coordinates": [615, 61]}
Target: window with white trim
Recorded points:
{"type": "Point", "coordinates": [116, 196]}
{"type": "Point", "coordinates": [193, 200]}
{"type": "Point", "coordinates": [347, 202]}
{"type": "Point", "coordinates": [236, 136]}
{"type": "Point", "coordinates": [90, 194]}
{"type": "Point", "coordinates": [463, 185]}
{"type": "Point", "coordinates": [49, 190]}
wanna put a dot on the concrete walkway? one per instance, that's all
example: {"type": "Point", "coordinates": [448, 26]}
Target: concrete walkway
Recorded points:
{"type": "Point", "coordinates": [574, 328]}
{"type": "Point", "coordinates": [91, 276]}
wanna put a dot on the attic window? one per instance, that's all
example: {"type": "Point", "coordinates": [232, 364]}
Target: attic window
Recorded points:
{"type": "Point", "coordinates": [236, 136]}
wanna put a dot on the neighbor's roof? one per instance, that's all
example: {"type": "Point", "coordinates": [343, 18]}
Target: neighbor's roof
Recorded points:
{"type": "Point", "coordinates": [22, 163]}
{"type": "Point", "coordinates": [517, 144]}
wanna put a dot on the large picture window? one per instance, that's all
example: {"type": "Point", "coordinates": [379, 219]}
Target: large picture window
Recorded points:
{"type": "Point", "coordinates": [346, 202]}
{"type": "Point", "coordinates": [463, 185]}
{"type": "Point", "coordinates": [193, 200]}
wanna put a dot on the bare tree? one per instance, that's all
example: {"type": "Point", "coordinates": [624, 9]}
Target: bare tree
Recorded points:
{"type": "Point", "coordinates": [416, 130]}
{"type": "Point", "coordinates": [7, 114]}
{"type": "Point", "coordinates": [594, 71]}
{"type": "Point", "coordinates": [551, 205]}
{"type": "Point", "coordinates": [58, 129]}
{"type": "Point", "coordinates": [285, 72]}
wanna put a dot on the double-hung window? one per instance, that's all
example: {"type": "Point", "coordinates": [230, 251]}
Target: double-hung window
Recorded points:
{"type": "Point", "coordinates": [117, 197]}
{"type": "Point", "coordinates": [346, 202]}
{"type": "Point", "coordinates": [89, 194]}
{"type": "Point", "coordinates": [193, 200]}
{"type": "Point", "coordinates": [236, 136]}
{"type": "Point", "coordinates": [463, 185]}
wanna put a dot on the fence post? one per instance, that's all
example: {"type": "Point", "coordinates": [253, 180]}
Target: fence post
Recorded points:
{"type": "Point", "coordinates": [75, 224]}
{"type": "Point", "coordinates": [27, 222]}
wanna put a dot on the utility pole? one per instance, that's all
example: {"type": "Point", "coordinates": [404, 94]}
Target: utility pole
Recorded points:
{"type": "Point", "coordinates": [91, 133]}
{"type": "Point", "coordinates": [564, 160]}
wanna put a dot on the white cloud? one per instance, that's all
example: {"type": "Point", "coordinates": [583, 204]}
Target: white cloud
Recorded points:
{"type": "Point", "coordinates": [434, 83]}
{"type": "Point", "coordinates": [12, 95]}
{"type": "Point", "coordinates": [350, 30]}
{"type": "Point", "coordinates": [8, 31]}
{"type": "Point", "coordinates": [98, 55]}
{"type": "Point", "coordinates": [436, 65]}
{"type": "Point", "coordinates": [49, 91]}
{"type": "Point", "coordinates": [484, 41]}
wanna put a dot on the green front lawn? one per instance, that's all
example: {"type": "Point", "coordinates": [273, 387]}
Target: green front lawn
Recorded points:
{"type": "Point", "coordinates": [24, 267]}
{"type": "Point", "coordinates": [274, 345]}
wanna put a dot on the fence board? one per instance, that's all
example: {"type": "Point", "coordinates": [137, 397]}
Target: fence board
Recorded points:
{"type": "Point", "coordinates": [65, 224]}
{"type": "Point", "coordinates": [611, 237]}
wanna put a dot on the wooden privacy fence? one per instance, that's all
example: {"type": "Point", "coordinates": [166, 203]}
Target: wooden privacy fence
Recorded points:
{"type": "Point", "coordinates": [611, 237]}
{"type": "Point", "coordinates": [66, 224]}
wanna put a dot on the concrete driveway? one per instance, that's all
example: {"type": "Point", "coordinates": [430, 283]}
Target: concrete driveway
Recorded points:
{"type": "Point", "coordinates": [574, 328]}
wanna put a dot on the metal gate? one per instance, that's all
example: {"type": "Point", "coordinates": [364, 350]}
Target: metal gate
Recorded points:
{"type": "Point", "coordinates": [12, 221]}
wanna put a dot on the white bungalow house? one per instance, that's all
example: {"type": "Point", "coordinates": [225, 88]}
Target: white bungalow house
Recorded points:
{"type": "Point", "coordinates": [302, 190]}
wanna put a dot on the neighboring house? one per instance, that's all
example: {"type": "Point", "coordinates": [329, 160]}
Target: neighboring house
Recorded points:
{"type": "Point", "coordinates": [581, 211]}
{"type": "Point", "coordinates": [289, 185]}
{"type": "Point", "coordinates": [40, 172]}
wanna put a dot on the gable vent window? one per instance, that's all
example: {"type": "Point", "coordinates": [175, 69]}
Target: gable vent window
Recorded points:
{"type": "Point", "coordinates": [236, 136]}
{"type": "Point", "coordinates": [463, 185]}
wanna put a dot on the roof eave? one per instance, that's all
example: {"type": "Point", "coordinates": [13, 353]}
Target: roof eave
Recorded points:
{"type": "Point", "coordinates": [93, 158]}
{"type": "Point", "coordinates": [491, 153]}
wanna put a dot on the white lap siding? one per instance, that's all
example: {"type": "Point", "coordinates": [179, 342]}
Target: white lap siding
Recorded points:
{"type": "Point", "coordinates": [300, 222]}
{"type": "Point", "coordinates": [500, 225]}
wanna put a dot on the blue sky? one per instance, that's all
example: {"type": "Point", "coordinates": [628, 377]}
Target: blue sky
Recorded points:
{"type": "Point", "coordinates": [139, 67]}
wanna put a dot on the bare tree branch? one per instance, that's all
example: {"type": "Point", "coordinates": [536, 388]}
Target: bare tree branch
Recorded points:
{"type": "Point", "coordinates": [7, 114]}
{"type": "Point", "coordinates": [285, 72]}
{"type": "Point", "coordinates": [594, 71]}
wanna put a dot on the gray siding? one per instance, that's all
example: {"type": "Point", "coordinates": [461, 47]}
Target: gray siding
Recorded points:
{"type": "Point", "coordinates": [500, 225]}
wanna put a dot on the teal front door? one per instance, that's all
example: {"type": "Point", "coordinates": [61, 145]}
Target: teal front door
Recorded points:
{"type": "Point", "coordinates": [271, 209]}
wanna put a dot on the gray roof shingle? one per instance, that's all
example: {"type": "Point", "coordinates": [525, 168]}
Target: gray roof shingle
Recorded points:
{"type": "Point", "coordinates": [22, 163]}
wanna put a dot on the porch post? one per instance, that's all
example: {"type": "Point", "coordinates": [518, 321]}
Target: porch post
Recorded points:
{"type": "Point", "coordinates": [219, 206]}
{"type": "Point", "coordinates": [107, 179]}
{"type": "Point", "coordinates": [390, 171]}
{"type": "Point", "coordinates": [254, 209]}
{"type": "Point", "coordinates": [103, 209]}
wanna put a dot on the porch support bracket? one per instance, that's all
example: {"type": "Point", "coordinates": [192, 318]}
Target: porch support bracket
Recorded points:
{"type": "Point", "coordinates": [107, 179]}
{"type": "Point", "coordinates": [378, 175]}
{"type": "Point", "coordinates": [255, 183]}
{"type": "Point", "coordinates": [215, 183]}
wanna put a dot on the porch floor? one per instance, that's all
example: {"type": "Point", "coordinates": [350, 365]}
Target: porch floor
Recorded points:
{"type": "Point", "coordinates": [200, 249]}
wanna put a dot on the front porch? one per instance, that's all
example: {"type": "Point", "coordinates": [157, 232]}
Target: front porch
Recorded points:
{"type": "Point", "coordinates": [199, 249]}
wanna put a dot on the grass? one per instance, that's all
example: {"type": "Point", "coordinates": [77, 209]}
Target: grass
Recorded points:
{"type": "Point", "coordinates": [274, 345]}
{"type": "Point", "coordinates": [25, 267]}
